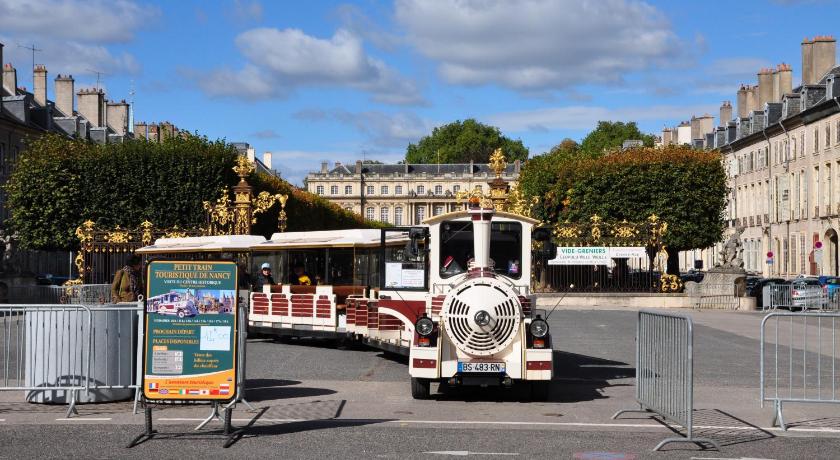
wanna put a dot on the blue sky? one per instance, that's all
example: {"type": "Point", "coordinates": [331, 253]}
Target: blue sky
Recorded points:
{"type": "Point", "coordinates": [338, 81]}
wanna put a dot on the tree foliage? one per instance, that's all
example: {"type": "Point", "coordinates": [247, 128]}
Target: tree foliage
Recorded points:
{"type": "Point", "coordinates": [684, 187]}
{"type": "Point", "coordinates": [58, 183]}
{"type": "Point", "coordinates": [462, 142]}
{"type": "Point", "coordinates": [609, 135]}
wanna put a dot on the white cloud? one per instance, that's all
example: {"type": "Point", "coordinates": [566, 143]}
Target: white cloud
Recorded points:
{"type": "Point", "coordinates": [94, 21]}
{"type": "Point", "coordinates": [355, 20]}
{"type": "Point", "coordinates": [381, 129]}
{"type": "Point", "coordinates": [246, 11]}
{"type": "Point", "coordinates": [280, 61]}
{"type": "Point", "coordinates": [586, 117]}
{"type": "Point", "coordinates": [539, 44]}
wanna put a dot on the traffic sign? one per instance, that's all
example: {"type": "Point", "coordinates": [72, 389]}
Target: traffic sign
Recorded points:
{"type": "Point", "coordinates": [818, 245]}
{"type": "Point", "coordinates": [770, 254]}
{"type": "Point", "coordinates": [770, 261]}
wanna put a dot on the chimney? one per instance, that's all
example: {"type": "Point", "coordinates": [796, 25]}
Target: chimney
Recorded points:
{"type": "Point", "coordinates": [154, 133]}
{"type": "Point", "coordinates": [251, 153]}
{"type": "Point", "coordinates": [823, 56]}
{"type": "Point", "coordinates": [807, 60]}
{"type": "Point", "coordinates": [765, 87]}
{"type": "Point", "coordinates": [725, 112]}
{"type": "Point", "coordinates": [358, 166]}
{"type": "Point", "coordinates": [140, 130]}
{"type": "Point", "coordinates": [517, 165]}
{"type": "Point", "coordinates": [695, 128]}
{"type": "Point", "coordinates": [64, 94]}
{"type": "Point", "coordinates": [752, 99]}
{"type": "Point", "coordinates": [267, 160]}
{"type": "Point", "coordinates": [40, 89]}
{"type": "Point", "coordinates": [742, 102]}
{"type": "Point", "coordinates": [116, 115]}
{"type": "Point", "coordinates": [10, 79]}
{"type": "Point", "coordinates": [90, 105]}
{"type": "Point", "coordinates": [776, 87]}
{"type": "Point", "coordinates": [325, 168]}
{"type": "Point", "coordinates": [785, 73]}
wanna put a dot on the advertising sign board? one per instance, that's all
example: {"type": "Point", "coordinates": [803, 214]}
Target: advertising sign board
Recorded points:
{"type": "Point", "coordinates": [190, 330]}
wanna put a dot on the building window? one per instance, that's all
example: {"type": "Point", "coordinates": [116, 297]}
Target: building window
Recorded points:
{"type": "Point", "coordinates": [802, 254]}
{"type": "Point", "coordinates": [319, 190]}
{"type": "Point", "coordinates": [348, 189]}
{"type": "Point", "coordinates": [802, 144]}
{"type": "Point", "coordinates": [438, 210]}
{"type": "Point", "coordinates": [398, 216]}
{"type": "Point", "coordinates": [816, 140]}
{"type": "Point", "coordinates": [333, 189]}
{"type": "Point", "coordinates": [369, 213]}
{"type": "Point", "coordinates": [421, 190]}
{"type": "Point", "coordinates": [837, 132]}
{"type": "Point", "coordinates": [456, 188]}
{"type": "Point", "coordinates": [370, 189]}
{"type": "Point", "coordinates": [383, 214]}
{"type": "Point", "coordinates": [383, 190]}
{"type": "Point", "coordinates": [398, 190]}
{"type": "Point", "coordinates": [827, 134]}
{"type": "Point", "coordinates": [438, 189]}
{"type": "Point", "coordinates": [419, 214]}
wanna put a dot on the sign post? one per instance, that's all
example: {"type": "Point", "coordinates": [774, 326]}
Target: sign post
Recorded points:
{"type": "Point", "coordinates": [190, 350]}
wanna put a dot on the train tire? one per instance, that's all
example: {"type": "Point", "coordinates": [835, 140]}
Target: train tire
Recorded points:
{"type": "Point", "coordinates": [540, 390]}
{"type": "Point", "coordinates": [420, 388]}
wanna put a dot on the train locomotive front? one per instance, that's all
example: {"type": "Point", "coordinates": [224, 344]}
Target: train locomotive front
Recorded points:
{"type": "Point", "coordinates": [480, 328]}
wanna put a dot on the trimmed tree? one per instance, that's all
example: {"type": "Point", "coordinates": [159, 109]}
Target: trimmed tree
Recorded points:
{"type": "Point", "coordinates": [609, 135]}
{"type": "Point", "coordinates": [462, 142]}
{"type": "Point", "coordinates": [684, 187]}
{"type": "Point", "coordinates": [58, 183]}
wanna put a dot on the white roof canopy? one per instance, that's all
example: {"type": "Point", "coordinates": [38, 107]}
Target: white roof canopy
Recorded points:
{"type": "Point", "coordinates": [224, 243]}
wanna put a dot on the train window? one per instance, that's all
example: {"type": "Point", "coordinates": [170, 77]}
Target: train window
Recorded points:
{"type": "Point", "coordinates": [404, 259]}
{"type": "Point", "coordinates": [456, 248]}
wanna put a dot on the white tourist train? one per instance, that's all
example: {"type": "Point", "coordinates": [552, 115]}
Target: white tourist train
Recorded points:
{"type": "Point", "coordinates": [453, 294]}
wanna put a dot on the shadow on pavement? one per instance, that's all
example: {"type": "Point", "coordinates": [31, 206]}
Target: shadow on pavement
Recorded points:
{"type": "Point", "coordinates": [717, 425]}
{"type": "Point", "coordinates": [273, 389]}
{"type": "Point", "coordinates": [825, 422]}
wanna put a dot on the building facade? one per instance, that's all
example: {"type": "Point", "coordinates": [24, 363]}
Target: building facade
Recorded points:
{"type": "Point", "coordinates": [402, 194]}
{"type": "Point", "coordinates": [782, 160]}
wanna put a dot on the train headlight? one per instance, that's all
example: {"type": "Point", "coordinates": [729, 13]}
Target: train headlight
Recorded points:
{"type": "Point", "coordinates": [424, 326]}
{"type": "Point", "coordinates": [539, 328]}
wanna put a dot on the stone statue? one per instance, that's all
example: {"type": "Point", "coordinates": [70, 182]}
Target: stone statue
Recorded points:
{"type": "Point", "coordinates": [732, 251]}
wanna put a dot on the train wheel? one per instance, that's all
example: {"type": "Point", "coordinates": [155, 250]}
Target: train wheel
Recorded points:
{"type": "Point", "coordinates": [540, 390]}
{"type": "Point", "coordinates": [420, 388]}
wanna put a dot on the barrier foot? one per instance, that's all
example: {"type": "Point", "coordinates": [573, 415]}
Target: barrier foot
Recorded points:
{"type": "Point", "coordinates": [148, 434]}
{"type": "Point", "coordinates": [72, 408]}
{"type": "Point", "coordinates": [778, 418]}
{"type": "Point", "coordinates": [136, 400]}
{"type": "Point", "coordinates": [698, 441]}
{"type": "Point", "coordinates": [214, 415]}
{"type": "Point", "coordinates": [640, 409]}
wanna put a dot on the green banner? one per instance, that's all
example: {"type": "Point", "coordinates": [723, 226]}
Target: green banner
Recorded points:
{"type": "Point", "coordinates": [190, 330]}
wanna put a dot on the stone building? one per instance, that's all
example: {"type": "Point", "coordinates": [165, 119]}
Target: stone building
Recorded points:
{"type": "Point", "coordinates": [401, 194]}
{"type": "Point", "coordinates": [783, 163]}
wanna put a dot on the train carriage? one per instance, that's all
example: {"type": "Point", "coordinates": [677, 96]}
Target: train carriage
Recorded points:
{"type": "Point", "coordinates": [453, 294]}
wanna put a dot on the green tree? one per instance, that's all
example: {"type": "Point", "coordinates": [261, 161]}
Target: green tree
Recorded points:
{"type": "Point", "coordinates": [58, 183]}
{"type": "Point", "coordinates": [462, 142]}
{"type": "Point", "coordinates": [686, 188]}
{"type": "Point", "coordinates": [610, 135]}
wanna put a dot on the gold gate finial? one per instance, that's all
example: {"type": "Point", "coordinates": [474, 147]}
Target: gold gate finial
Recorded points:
{"type": "Point", "coordinates": [497, 162]}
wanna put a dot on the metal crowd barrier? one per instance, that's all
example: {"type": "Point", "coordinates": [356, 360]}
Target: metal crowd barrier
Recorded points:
{"type": "Point", "coordinates": [70, 353]}
{"type": "Point", "coordinates": [84, 294]}
{"type": "Point", "coordinates": [775, 296]}
{"type": "Point", "coordinates": [665, 371]}
{"type": "Point", "coordinates": [799, 364]}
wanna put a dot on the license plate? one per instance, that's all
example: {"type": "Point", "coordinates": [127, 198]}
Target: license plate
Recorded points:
{"type": "Point", "coordinates": [490, 368]}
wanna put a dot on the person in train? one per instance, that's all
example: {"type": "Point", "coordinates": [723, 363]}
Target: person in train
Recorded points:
{"type": "Point", "coordinates": [264, 277]}
{"type": "Point", "coordinates": [300, 277]}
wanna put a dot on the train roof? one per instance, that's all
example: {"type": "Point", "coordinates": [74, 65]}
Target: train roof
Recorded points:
{"type": "Point", "coordinates": [349, 238]}
{"type": "Point", "coordinates": [465, 214]}
{"type": "Point", "coordinates": [222, 243]}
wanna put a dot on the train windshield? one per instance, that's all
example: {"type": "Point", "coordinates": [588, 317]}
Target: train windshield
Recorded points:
{"type": "Point", "coordinates": [456, 248]}
{"type": "Point", "coordinates": [405, 266]}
